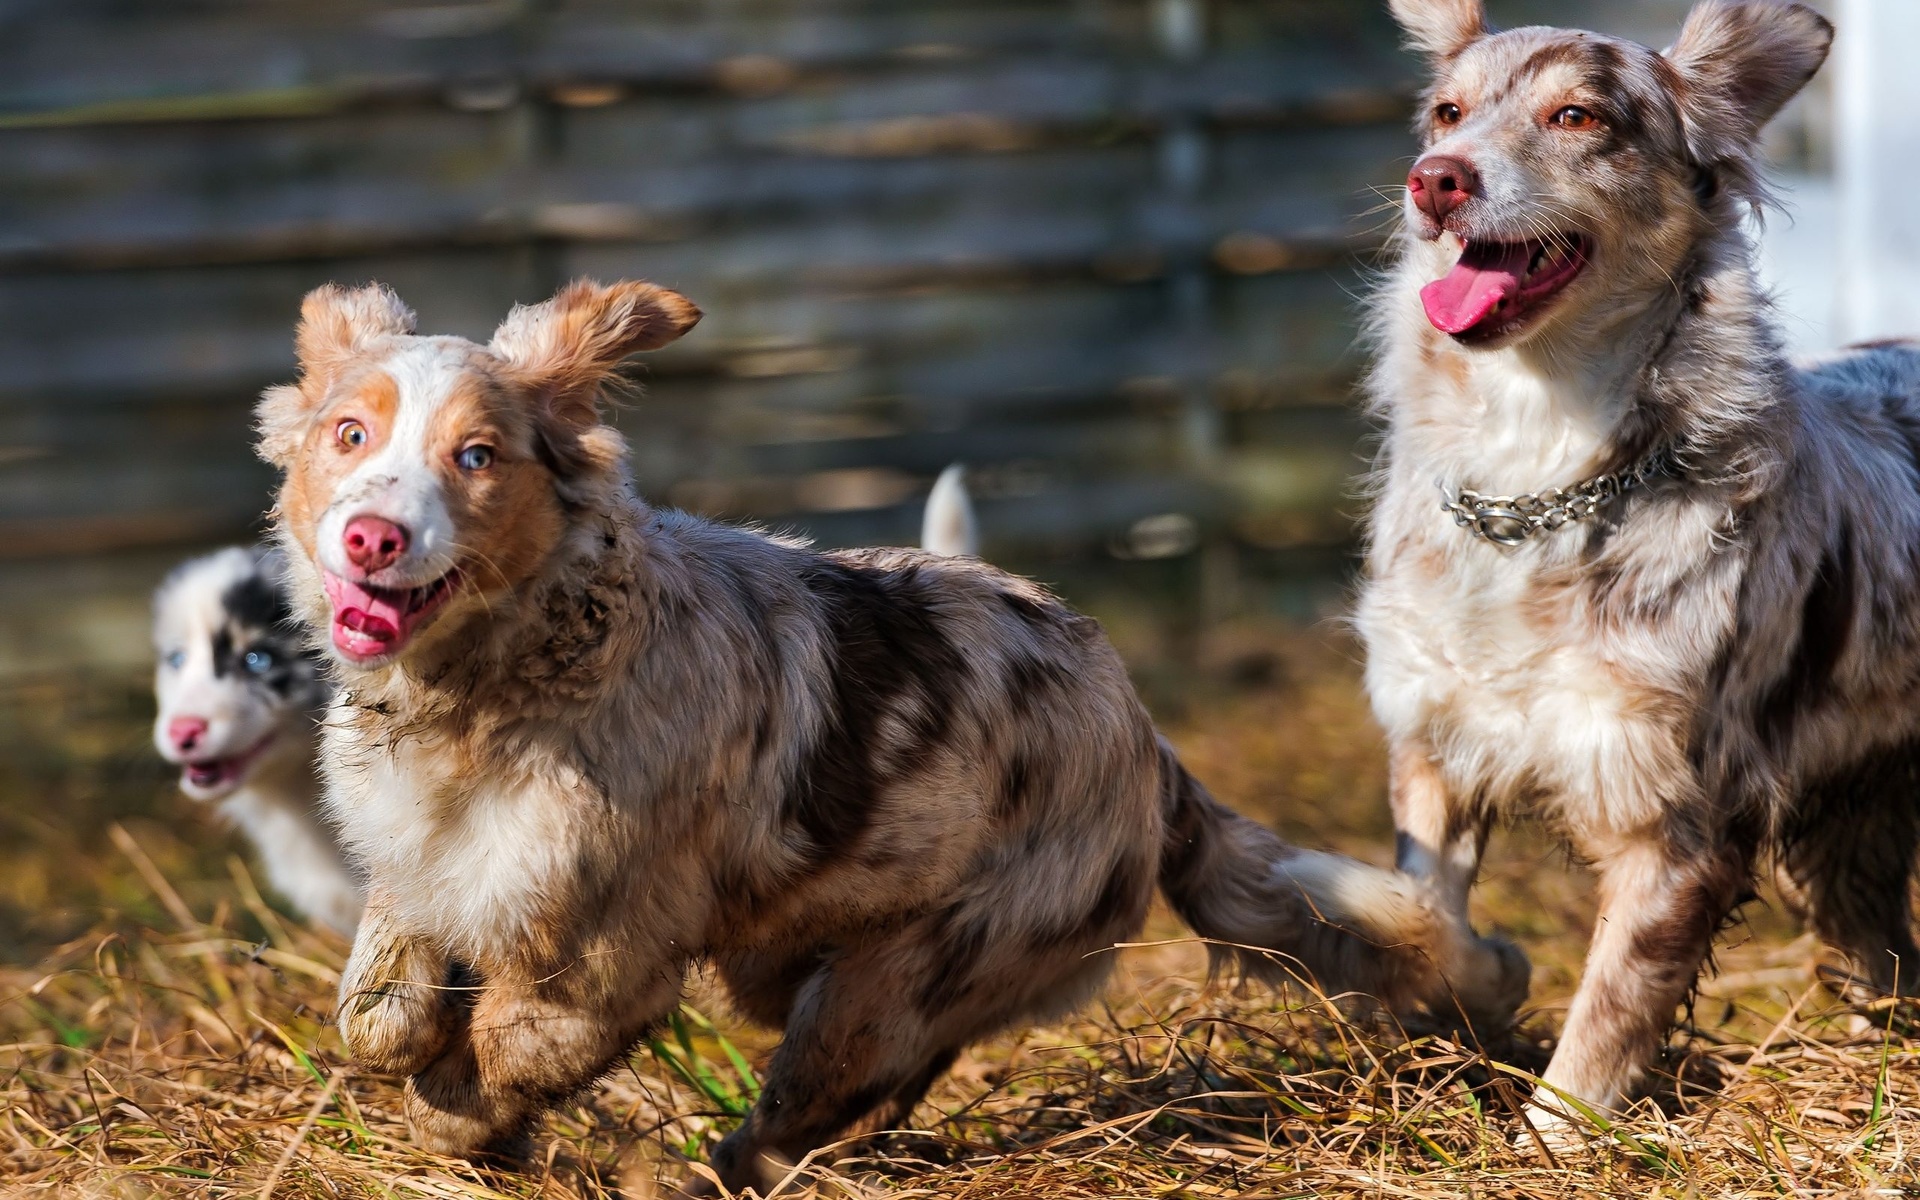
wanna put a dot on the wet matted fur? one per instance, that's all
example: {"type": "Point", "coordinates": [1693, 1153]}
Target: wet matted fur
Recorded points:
{"type": "Point", "coordinates": [899, 800]}
{"type": "Point", "coordinates": [1721, 665]}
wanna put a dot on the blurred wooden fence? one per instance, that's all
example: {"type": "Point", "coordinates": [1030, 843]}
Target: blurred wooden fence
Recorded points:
{"type": "Point", "coordinates": [1104, 251]}
{"type": "Point", "coordinates": [1098, 249]}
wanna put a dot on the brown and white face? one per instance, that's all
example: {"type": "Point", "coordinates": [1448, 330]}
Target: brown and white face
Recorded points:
{"type": "Point", "coordinates": [424, 474]}
{"type": "Point", "coordinates": [1564, 172]}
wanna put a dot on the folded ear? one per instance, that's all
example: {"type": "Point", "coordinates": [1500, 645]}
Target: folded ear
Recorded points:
{"type": "Point", "coordinates": [1739, 61]}
{"type": "Point", "coordinates": [1440, 29]}
{"type": "Point", "coordinates": [336, 323]}
{"type": "Point", "coordinates": [565, 348]}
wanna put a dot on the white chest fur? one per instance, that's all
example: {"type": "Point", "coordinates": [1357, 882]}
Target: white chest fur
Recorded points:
{"type": "Point", "coordinates": [1500, 663]}
{"type": "Point", "coordinates": [1510, 701]}
{"type": "Point", "coordinates": [472, 862]}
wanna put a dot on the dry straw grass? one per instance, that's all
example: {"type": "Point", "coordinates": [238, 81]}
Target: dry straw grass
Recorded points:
{"type": "Point", "coordinates": [182, 1046]}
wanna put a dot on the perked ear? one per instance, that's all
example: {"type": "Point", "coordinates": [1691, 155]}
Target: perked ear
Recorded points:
{"type": "Point", "coordinates": [1440, 29]}
{"type": "Point", "coordinates": [1741, 60]}
{"type": "Point", "coordinates": [565, 348]}
{"type": "Point", "coordinates": [336, 323]}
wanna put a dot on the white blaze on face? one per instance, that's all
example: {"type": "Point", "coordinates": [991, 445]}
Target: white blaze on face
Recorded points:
{"type": "Point", "coordinates": [397, 482]}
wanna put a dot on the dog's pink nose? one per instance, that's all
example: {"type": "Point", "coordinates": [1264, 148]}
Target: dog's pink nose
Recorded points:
{"type": "Point", "coordinates": [1441, 183]}
{"type": "Point", "coordinates": [374, 542]}
{"type": "Point", "coordinates": [185, 732]}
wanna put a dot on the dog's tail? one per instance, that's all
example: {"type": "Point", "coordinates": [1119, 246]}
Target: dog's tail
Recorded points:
{"type": "Point", "coordinates": [948, 526]}
{"type": "Point", "coordinates": [1282, 913]}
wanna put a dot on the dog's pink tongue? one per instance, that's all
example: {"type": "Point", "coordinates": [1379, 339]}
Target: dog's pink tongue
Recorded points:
{"type": "Point", "coordinates": [364, 622]}
{"type": "Point", "coordinates": [1487, 273]}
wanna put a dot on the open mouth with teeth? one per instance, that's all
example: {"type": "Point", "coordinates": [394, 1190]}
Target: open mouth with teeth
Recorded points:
{"type": "Point", "coordinates": [1498, 288]}
{"type": "Point", "coordinates": [372, 622]}
{"type": "Point", "coordinates": [211, 778]}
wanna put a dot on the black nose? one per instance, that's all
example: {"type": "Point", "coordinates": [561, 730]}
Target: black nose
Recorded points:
{"type": "Point", "coordinates": [1441, 183]}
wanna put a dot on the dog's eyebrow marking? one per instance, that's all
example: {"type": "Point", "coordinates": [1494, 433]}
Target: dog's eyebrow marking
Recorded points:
{"type": "Point", "coordinates": [1554, 53]}
{"type": "Point", "coordinates": [377, 397]}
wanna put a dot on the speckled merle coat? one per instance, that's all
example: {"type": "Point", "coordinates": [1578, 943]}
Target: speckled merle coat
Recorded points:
{"type": "Point", "coordinates": [899, 800]}
{"type": "Point", "coordinates": [1726, 663]}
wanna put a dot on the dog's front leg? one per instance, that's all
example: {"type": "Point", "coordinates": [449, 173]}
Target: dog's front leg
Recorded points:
{"type": "Point", "coordinates": [1434, 839]}
{"type": "Point", "coordinates": [538, 1034]}
{"type": "Point", "coordinates": [396, 1011]}
{"type": "Point", "coordinates": [1440, 843]}
{"type": "Point", "coordinates": [1659, 909]}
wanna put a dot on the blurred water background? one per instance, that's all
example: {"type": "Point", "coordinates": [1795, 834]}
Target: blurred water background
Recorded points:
{"type": "Point", "coordinates": [1107, 253]}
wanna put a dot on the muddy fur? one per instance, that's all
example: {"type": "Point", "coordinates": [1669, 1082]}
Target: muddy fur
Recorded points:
{"type": "Point", "coordinates": [1719, 668]}
{"type": "Point", "coordinates": [899, 800]}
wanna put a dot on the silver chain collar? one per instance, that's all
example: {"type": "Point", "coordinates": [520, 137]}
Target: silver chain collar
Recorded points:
{"type": "Point", "coordinates": [1511, 520]}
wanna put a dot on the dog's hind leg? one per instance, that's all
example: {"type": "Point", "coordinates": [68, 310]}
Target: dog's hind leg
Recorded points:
{"type": "Point", "coordinates": [762, 983]}
{"type": "Point", "coordinates": [877, 1025]}
{"type": "Point", "coordinates": [1847, 859]}
{"type": "Point", "coordinates": [852, 1043]}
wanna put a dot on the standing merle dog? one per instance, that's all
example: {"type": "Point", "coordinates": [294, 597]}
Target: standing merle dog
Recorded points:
{"type": "Point", "coordinates": [1667, 592]}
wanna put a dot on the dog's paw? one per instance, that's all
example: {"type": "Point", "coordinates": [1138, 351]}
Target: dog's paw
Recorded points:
{"type": "Point", "coordinates": [391, 1036]}
{"type": "Point", "coordinates": [395, 1026]}
{"type": "Point", "coordinates": [1502, 978]}
{"type": "Point", "coordinates": [449, 1115]}
{"type": "Point", "coordinates": [399, 1003]}
{"type": "Point", "coordinates": [1545, 1129]}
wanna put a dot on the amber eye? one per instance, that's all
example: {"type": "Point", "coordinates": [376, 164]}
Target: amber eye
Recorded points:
{"type": "Point", "coordinates": [1446, 114]}
{"type": "Point", "coordinates": [474, 458]}
{"type": "Point", "coordinates": [1573, 117]}
{"type": "Point", "coordinates": [351, 434]}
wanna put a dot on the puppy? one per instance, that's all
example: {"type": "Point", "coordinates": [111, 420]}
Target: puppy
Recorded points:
{"type": "Point", "coordinates": [899, 800]}
{"type": "Point", "coordinates": [1667, 590]}
{"type": "Point", "coordinates": [239, 699]}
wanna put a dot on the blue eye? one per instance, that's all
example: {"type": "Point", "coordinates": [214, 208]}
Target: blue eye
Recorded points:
{"type": "Point", "coordinates": [474, 458]}
{"type": "Point", "coordinates": [175, 659]}
{"type": "Point", "coordinates": [258, 661]}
